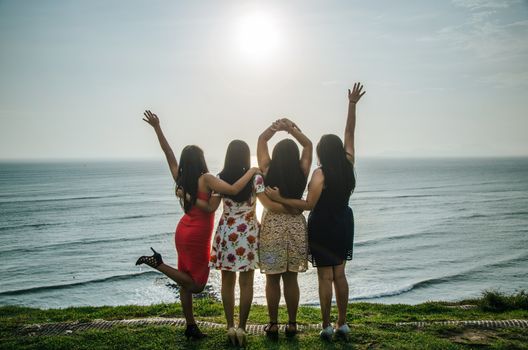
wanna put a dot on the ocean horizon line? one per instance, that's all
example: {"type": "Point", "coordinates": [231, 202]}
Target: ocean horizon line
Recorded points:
{"type": "Point", "coordinates": [156, 159]}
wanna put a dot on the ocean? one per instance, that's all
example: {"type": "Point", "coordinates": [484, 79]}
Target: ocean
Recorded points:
{"type": "Point", "coordinates": [426, 229]}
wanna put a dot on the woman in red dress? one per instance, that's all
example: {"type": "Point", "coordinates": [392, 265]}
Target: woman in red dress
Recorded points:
{"type": "Point", "coordinates": [193, 233]}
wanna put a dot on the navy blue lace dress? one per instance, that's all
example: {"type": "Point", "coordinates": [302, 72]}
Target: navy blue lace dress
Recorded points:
{"type": "Point", "coordinates": [330, 231]}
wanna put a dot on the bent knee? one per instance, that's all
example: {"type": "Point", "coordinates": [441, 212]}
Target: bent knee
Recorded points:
{"type": "Point", "coordinates": [198, 288]}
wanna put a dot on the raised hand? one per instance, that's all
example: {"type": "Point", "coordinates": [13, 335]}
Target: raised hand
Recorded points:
{"type": "Point", "coordinates": [284, 124]}
{"type": "Point", "coordinates": [151, 118]}
{"type": "Point", "coordinates": [355, 95]}
{"type": "Point", "coordinates": [278, 125]}
{"type": "Point", "coordinates": [289, 124]}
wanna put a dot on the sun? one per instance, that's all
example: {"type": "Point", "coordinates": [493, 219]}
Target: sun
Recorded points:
{"type": "Point", "coordinates": [257, 36]}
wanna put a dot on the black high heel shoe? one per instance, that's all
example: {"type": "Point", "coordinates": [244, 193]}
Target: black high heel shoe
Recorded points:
{"type": "Point", "coordinates": [272, 330]}
{"type": "Point", "coordinates": [193, 332]}
{"type": "Point", "coordinates": [291, 329]}
{"type": "Point", "coordinates": [154, 260]}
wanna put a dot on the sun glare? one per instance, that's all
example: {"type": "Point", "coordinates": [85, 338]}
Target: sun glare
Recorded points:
{"type": "Point", "coordinates": [257, 36]}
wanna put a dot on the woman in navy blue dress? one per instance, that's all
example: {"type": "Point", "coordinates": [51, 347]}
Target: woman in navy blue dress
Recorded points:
{"type": "Point", "coordinates": [331, 222]}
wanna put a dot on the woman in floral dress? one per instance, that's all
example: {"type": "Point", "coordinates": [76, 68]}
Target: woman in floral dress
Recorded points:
{"type": "Point", "coordinates": [235, 244]}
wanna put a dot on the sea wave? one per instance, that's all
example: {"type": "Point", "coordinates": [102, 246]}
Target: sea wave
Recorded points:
{"type": "Point", "coordinates": [369, 242]}
{"type": "Point", "coordinates": [493, 215]}
{"type": "Point", "coordinates": [400, 196]}
{"type": "Point", "coordinates": [63, 199]}
{"type": "Point", "coordinates": [460, 276]}
{"type": "Point", "coordinates": [139, 216]}
{"type": "Point", "coordinates": [95, 221]}
{"type": "Point", "coordinates": [77, 284]}
{"type": "Point", "coordinates": [71, 245]}
{"type": "Point", "coordinates": [37, 226]}
{"type": "Point", "coordinates": [385, 293]}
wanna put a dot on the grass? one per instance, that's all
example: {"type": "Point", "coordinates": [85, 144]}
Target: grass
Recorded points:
{"type": "Point", "coordinates": [495, 301]}
{"type": "Point", "coordinates": [373, 327]}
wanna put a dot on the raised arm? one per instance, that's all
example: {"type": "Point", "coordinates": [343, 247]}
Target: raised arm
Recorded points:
{"type": "Point", "coordinates": [220, 186]}
{"type": "Point", "coordinates": [153, 120]}
{"type": "Point", "coordinates": [353, 98]}
{"type": "Point", "coordinates": [263, 156]}
{"type": "Point", "coordinates": [306, 155]}
{"type": "Point", "coordinates": [315, 187]}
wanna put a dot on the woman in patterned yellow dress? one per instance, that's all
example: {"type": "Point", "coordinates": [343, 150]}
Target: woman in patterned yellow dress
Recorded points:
{"type": "Point", "coordinates": [235, 244]}
{"type": "Point", "coordinates": [283, 245]}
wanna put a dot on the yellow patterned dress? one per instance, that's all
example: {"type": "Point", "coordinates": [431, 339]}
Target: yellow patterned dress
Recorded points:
{"type": "Point", "coordinates": [283, 243]}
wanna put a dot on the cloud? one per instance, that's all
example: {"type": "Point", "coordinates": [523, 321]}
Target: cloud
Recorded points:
{"type": "Point", "coordinates": [492, 35]}
{"type": "Point", "coordinates": [330, 82]}
{"type": "Point", "coordinates": [506, 79]}
{"type": "Point", "coordinates": [485, 4]}
{"type": "Point", "coordinates": [488, 41]}
{"type": "Point", "coordinates": [490, 29]}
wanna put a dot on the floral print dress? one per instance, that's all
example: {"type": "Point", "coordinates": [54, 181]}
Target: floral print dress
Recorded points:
{"type": "Point", "coordinates": [235, 244]}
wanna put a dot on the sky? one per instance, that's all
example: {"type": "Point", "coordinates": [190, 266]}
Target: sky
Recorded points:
{"type": "Point", "coordinates": [443, 78]}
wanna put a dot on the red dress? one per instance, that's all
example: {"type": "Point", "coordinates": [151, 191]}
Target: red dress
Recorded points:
{"type": "Point", "coordinates": [193, 242]}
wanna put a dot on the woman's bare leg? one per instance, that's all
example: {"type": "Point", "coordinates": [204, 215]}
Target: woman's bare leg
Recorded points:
{"type": "Point", "coordinates": [326, 278]}
{"type": "Point", "coordinates": [187, 288]}
{"type": "Point", "coordinates": [273, 296]}
{"type": "Point", "coordinates": [182, 278]}
{"type": "Point", "coordinates": [291, 294]}
{"type": "Point", "coordinates": [245, 281]}
{"type": "Point", "coordinates": [228, 296]}
{"type": "Point", "coordinates": [187, 306]}
{"type": "Point", "coordinates": [341, 289]}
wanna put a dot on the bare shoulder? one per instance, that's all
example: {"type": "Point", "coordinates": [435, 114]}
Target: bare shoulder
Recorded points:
{"type": "Point", "coordinates": [205, 179]}
{"type": "Point", "coordinates": [318, 175]}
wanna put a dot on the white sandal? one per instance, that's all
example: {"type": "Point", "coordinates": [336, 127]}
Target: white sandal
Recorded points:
{"type": "Point", "coordinates": [327, 333]}
{"type": "Point", "coordinates": [343, 331]}
{"type": "Point", "coordinates": [241, 337]}
{"type": "Point", "coordinates": [232, 335]}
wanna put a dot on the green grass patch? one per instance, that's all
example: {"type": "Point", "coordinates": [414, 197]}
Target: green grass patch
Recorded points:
{"type": "Point", "coordinates": [496, 301]}
{"type": "Point", "coordinates": [373, 326]}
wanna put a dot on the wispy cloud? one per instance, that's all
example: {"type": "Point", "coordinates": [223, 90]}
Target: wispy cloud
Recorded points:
{"type": "Point", "coordinates": [330, 82]}
{"type": "Point", "coordinates": [485, 4]}
{"type": "Point", "coordinates": [493, 34]}
{"type": "Point", "coordinates": [487, 32]}
{"type": "Point", "coordinates": [506, 79]}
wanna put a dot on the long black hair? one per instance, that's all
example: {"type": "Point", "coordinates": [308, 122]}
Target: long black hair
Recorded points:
{"type": "Point", "coordinates": [192, 166]}
{"type": "Point", "coordinates": [285, 170]}
{"type": "Point", "coordinates": [237, 162]}
{"type": "Point", "coordinates": [337, 169]}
